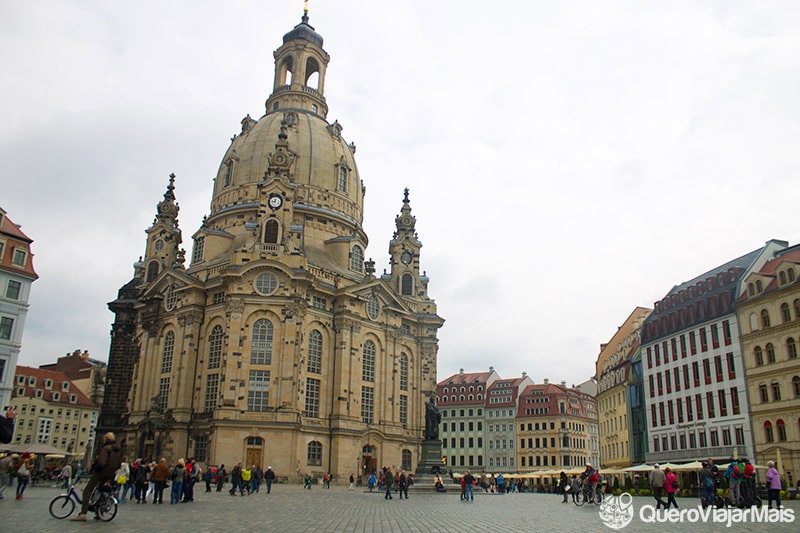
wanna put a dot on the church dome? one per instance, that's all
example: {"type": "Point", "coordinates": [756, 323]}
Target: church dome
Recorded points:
{"type": "Point", "coordinates": [304, 31]}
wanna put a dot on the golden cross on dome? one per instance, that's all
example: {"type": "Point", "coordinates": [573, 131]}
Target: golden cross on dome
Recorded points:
{"type": "Point", "coordinates": [305, 7]}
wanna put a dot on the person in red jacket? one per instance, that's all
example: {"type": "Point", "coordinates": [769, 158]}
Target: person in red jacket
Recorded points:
{"type": "Point", "coordinates": [670, 487]}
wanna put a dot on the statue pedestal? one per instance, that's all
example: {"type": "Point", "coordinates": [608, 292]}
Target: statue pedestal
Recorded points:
{"type": "Point", "coordinates": [431, 458]}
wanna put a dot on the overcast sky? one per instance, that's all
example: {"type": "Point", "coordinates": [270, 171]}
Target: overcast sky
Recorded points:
{"type": "Point", "coordinates": [567, 161]}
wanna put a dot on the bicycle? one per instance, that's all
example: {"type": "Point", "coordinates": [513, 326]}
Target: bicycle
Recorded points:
{"type": "Point", "coordinates": [102, 502]}
{"type": "Point", "coordinates": [585, 494]}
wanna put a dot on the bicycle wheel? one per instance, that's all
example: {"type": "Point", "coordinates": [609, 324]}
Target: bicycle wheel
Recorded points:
{"type": "Point", "coordinates": [62, 506]}
{"type": "Point", "coordinates": [106, 508]}
{"type": "Point", "coordinates": [580, 499]}
{"type": "Point", "coordinates": [598, 497]}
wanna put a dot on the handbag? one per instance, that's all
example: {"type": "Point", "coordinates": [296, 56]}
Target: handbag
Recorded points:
{"type": "Point", "coordinates": [123, 479]}
{"type": "Point", "coordinates": [23, 471]}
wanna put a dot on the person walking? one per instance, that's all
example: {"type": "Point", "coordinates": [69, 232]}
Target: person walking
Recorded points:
{"type": "Point", "coordinates": [236, 480]}
{"type": "Point", "coordinates": [160, 475]}
{"type": "Point", "coordinates": [221, 475]}
{"type": "Point", "coordinates": [657, 481]}
{"type": "Point", "coordinates": [121, 478]}
{"type": "Point", "coordinates": [24, 469]}
{"type": "Point", "coordinates": [774, 485]}
{"type": "Point", "coordinates": [402, 484]}
{"type": "Point", "coordinates": [387, 477]}
{"type": "Point", "coordinates": [563, 485]}
{"type": "Point", "coordinates": [207, 477]}
{"type": "Point", "coordinates": [6, 464]}
{"type": "Point", "coordinates": [141, 480]}
{"type": "Point", "coordinates": [352, 482]}
{"type": "Point", "coordinates": [177, 475]}
{"type": "Point", "coordinates": [269, 477]}
{"type": "Point", "coordinates": [247, 475]}
{"type": "Point", "coordinates": [671, 486]}
{"type": "Point", "coordinates": [103, 469]}
{"type": "Point", "coordinates": [192, 475]}
{"type": "Point", "coordinates": [469, 484]}
{"type": "Point", "coordinates": [256, 479]}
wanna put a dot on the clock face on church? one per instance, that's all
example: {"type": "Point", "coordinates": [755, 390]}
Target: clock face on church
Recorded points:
{"type": "Point", "coordinates": [406, 257]}
{"type": "Point", "coordinates": [275, 202]}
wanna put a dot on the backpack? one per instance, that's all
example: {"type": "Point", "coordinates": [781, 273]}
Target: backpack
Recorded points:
{"type": "Point", "coordinates": [737, 472]}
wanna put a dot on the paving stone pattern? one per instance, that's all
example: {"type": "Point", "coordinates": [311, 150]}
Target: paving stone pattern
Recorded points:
{"type": "Point", "coordinates": [290, 508]}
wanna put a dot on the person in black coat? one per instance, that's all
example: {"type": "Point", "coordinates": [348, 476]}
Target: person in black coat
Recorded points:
{"type": "Point", "coordinates": [7, 425]}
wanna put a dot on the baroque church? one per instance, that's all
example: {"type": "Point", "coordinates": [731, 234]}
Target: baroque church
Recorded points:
{"type": "Point", "coordinates": [277, 344]}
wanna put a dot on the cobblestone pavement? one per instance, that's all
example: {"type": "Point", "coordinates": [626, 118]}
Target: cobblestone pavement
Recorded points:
{"type": "Point", "coordinates": [291, 509]}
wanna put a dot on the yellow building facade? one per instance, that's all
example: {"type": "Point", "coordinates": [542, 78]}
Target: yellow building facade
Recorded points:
{"type": "Point", "coordinates": [769, 317]}
{"type": "Point", "coordinates": [613, 369]}
{"type": "Point", "coordinates": [277, 345]}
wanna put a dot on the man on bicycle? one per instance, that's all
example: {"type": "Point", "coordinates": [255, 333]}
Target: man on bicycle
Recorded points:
{"type": "Point", "coordinates": [591, 476]}
{"type": "Point", "coordinates": [103, 469]}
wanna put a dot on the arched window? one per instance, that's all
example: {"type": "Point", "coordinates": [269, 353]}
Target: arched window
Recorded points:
{"type": "Point", "coordinates": [228, 173]}
{"type": "Point", "coordinates": [751, 289]}
{"type": "Point", "coordinates": [342, 181]}
{"type": "Point", "coordinates": [764, 318]}
{"type": "Point", "coordinates": [782, 278]}
{"type": "Point", "coordinates": [152, 270]}
{"type": "Point", "coordinates": [314, 453]}
{"type": "Point", "coordinates": [763, 392]}
{"type": "Point", "coordinates": [759, 286]}
{"type": "Point", "coordinates": [786, 313]}
{"type": "Point", "coordinates": [768, 431]}
{"type": "Point", "coordinates": [796, 386]}
{"type": "Point", "coordinates": [759, 356]}
{"type": "Point", "coordinates": [271, 231]}
{"type": "Point", "coordinates": [791, 348]}
{"type": "Point", "coordinates": [407, 285]}
{"type": "Point", "coordinates": [169, 349]}
{"type": "Point", "coordinates": [315, 352]}
{"type": "Point", "coordinates": [261, 345]}
{"type": "Point", "coordinates": [356, 258]}
{"type": "Point", "coordinates": [368, 362]}
{"type": "Point", "coordinates": [770, 353]}
{"type": "Point", "coordinates": [781, 430]}
{"type": "Point", "coordinates": [791, 274]}
{"type": "Point", "coordinates": [215, 347]}
{"type": "Point", "coordinates": [404, 371]}
{"type": "Point", "coordinates": [406, 462]}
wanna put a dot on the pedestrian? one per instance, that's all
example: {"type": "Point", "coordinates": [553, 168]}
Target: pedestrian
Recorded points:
{"type": "Point", "coordinates": [269, 477]}
{"type": "Point", "coordinates": [236, 480]}
{"type": "Point", "coordinates": [563, 484]}
{"type": "Point", "coordinates": [141, 480]}
{"type": "Point", "coordinates": [671, 486]}
{"type": "Point", "coordinates": [469, 483]}
{"type": "Point", "coordinates": [352, 482]}
{"type": "Point", "coordinates": [774, 485]}
{"type": "Point", "coordinates": [6, 465]}
{"type": "Point", "coordinates": [402, 484]}
{"type": "Point", "coordinates": [221, 477]}
{"type": "Point", "coordinates": [103, 469]}
{"type": "Point", "coordinates": [121, 477]}
{"type": "Point", "coordinates": [24, 468]}
{"type": "Point", "coordinates": [575, 486]}
{"type": "Point", "coordinates": [207, 477]}
{"type": "Point", "coordinates": [247, 475]}
{"type": "Point", "coordinates": [257, 477]}
{"type": "Point", "coordinates": [66, 475]}
{"type": "Point", "coordinates": [160, 475]}
{"type": "Point", "coordinates": [307, 482]}
{"type": "Point", "coordinates": [371, 482]}
{"type": "Point", "coordinates": [326, 481]}
{"type": "Point", "coordinates": [177, 477]}
{"type": "Point", "coordinates": [657, 481]}
{"type": "Point", "coordinates": [7, 425]}
{"type": "Point", "coordinates": [387, 476]}
{"type": "Point", "coordinates": [192, 475]}
{"type": "Point", "coordinates": [463, 488]}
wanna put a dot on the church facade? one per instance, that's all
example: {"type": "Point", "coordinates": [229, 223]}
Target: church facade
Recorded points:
{"type": "Point", "coordinates": [276, 344]}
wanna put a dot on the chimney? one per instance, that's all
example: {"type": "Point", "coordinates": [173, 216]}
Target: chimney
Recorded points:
{"type": "Point", "coordinates": [564, 384]}
{"type": "Point", "coordinates": [460, 371]}
{"type": "Point", "coordinates": [491, 369]}
{"type": "Point", "coordinates": [524, 374]}
{"type": "Point", "coordinates": [546, 381]}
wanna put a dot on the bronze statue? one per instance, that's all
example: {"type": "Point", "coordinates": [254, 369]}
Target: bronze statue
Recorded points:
{"type": "Point", "coordinates": [432, 419]}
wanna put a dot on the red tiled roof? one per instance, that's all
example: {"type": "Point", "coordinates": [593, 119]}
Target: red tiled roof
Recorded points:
{"type": "Point", "coordinates": [16, 239]}
{"type": "Point", "coordinates": [58, 378]}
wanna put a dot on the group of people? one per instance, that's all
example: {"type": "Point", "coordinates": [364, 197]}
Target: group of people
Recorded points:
{"type": "Point", "coordinates": [386, 480]}
{"type": "Point", "coordinates": [142, 481]}
{"type": "Point", "coordinates": [244, 479]}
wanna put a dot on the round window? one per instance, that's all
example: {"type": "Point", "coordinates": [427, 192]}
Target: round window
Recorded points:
{"type": "Point", "coordinates": [266, 284]}
{"type": "Point", "coordinates": [373, 307]}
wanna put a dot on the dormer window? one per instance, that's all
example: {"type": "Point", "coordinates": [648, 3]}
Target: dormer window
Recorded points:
{"type": "Point", "coordinates": [19, 257]}
{"type": "Point", "coordinates": [21, 380]}
{"type": "Point", "coordinates": [20, 391]}
{"type": "Point", "coordinates": [32, 381]}
{"type": "Point", "coordinates": [48, 384]}
{"type": "Point", "coordinates": [356, 258]}
{"type": "Point", "coordinates": [56, 396]}
{"type": "Point", "coordinates": [65, 386]}
{"type": "Point", "coordinates": [39, 393]}
{"type": "Point", "coordinates": [73, 398]}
